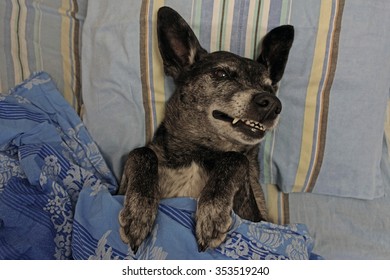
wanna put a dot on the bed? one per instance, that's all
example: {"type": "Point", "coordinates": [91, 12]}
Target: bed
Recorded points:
{"type": "Point", "coordinates": [82, 84]}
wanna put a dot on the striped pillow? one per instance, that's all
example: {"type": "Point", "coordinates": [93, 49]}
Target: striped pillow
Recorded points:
{"type": "Point", "coordinates": [42, 35]}
{"type": "Point", "coordinates": [334, 91]}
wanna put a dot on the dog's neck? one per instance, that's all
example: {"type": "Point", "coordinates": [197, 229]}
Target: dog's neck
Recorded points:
{"type": "Point", "coordinates": [170, 146]}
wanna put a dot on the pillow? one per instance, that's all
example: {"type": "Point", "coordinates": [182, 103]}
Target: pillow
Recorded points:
{"type": "Point", "coordinates": [335, 93]}
{"type": "Point", "coordinates": [334, 90]}
{"type": "Point", "coordinates": [42, 35]}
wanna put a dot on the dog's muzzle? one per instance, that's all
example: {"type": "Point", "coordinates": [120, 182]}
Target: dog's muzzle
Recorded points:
{"type": "Point", "coordinates": [265, 108]}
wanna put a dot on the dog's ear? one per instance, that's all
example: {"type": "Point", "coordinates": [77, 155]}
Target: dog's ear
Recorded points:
{"type": "Point", "coordinates": [276, 46]}
{"type": "Point", "coordinates": [178, 44]}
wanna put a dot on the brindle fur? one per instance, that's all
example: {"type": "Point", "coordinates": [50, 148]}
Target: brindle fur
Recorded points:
{"type": "Point", "coordinates": [197, 151]}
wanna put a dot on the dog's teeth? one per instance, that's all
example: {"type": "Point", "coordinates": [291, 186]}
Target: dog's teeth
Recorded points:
{"type": "Point", "coordinates": [254, 125]}
{"type": "Point", "coordinates": [236, 120]}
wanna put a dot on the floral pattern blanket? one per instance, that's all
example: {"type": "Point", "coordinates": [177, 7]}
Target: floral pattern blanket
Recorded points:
{"type": "Point", "coordinates": [57, 202]}
{"type": "Point", "coordinates": [46, 158]}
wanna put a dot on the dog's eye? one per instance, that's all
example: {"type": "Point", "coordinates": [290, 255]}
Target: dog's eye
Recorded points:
{"type": "Point", "coordinates": [221, 74]}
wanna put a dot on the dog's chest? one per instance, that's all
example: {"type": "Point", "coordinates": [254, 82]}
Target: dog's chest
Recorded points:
{"type": "Point", "coordinates": [187, 181]}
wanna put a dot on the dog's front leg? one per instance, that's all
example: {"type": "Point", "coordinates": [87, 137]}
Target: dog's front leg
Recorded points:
{"type": "Point", "coordinates": [140, 186]}
{"type": "Point", "coordinates": [215, 205]}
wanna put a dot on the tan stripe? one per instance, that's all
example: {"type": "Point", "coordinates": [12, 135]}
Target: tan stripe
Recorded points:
{"type": "Point", "coordinates": [76, 59]}
{"type": "Point", "coordinates": [311, 96]}
{"type": "Point", "coordinates": [66, 34]}
{"type": "Point", "coordinates": [272, 203]}
{"type": "Point", "coordinates": [144, 65]}
{"type": "Point", "coordinates": [158, 69]}
{"type": "Point", "coordinates": [323, 116]}
{"type": "Point", "coordinates": [15, 48]}
{"type": "Point", "coordinates": [285, 205]}
{"type": "Point", "coordinates": [22, 40]}
{"type": "Point", "coordinates": [278, 205]}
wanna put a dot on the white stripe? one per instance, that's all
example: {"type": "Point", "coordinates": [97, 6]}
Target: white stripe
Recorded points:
{"type": "Point", "coordinates": [289, 12]}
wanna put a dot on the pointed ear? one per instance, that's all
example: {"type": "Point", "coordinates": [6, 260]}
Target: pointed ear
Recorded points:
{"type": "Point", "coordinates": [178, 44]}
{"type": "Point", "coordinates": [276, 46]}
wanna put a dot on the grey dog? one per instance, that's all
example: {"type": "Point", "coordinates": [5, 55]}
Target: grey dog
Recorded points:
{"type": "Point", "coordinates": [207, 145]}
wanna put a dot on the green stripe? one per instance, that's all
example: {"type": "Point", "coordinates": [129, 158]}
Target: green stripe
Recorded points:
{"type": "Point", "coordinates": [196, 17]}
{"type": "Point", "coordinates": [284, 14]}
{"type": "Point", "coordinates": [251, 41]}
{"type": "Point", "coordinates": [222, 24]}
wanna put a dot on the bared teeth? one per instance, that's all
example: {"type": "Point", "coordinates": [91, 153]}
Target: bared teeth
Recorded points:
{"type": "Point", "coordinates": [236, 120]}
{"type": "Point", "coordinates": [251, 123]}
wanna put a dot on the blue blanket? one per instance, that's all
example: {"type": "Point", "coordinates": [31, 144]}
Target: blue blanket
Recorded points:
{"type": "Point", "coordinates": [46, 157]}
{"type": "Point", "coordinates": [57, 202]}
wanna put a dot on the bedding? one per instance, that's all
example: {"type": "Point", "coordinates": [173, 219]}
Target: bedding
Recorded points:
{"type": "Point", "coordinates": [51, 169]}
{"type": "Point", "coordinates": [46, 158]}
{"type": "Point", "coordinates": [96, 234]}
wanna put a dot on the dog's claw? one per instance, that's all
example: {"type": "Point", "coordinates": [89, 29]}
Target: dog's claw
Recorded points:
{"type": "Point", "coordinates": [212, 225]}
{"type": "Point", "coordinates": [202, 248]}
{"type": "Point", "coordinates": [134, 249]}
{"type": "Point", "coordinates": [135, 225]}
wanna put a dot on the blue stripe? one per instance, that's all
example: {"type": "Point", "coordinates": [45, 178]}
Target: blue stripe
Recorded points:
{"type": "Point", "coordinates": [274, 13]}
{"type": "Point", "coordinates": [207, 12]}
{"type": "Point", "coordinates": [83, 244]}
{"type": "Point", "coordinates": [16, 112]}
{"type": "Point", "coordinates": [181, 216]}
{"type": "Point", "coordinates": [237, 44]}
{"type": "Point", "coordinates": [28, 150]}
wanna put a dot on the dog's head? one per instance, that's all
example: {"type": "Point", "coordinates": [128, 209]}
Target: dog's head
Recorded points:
{"type": "Point", "coordinates": [220, 94]}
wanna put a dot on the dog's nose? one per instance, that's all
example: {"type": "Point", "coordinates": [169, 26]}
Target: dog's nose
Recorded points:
{"type": "Point", "coordinates": [268, 103]}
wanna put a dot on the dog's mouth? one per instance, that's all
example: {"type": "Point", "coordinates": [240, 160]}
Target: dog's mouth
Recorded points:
{"type": "Point", "coordinates": [252, 127]}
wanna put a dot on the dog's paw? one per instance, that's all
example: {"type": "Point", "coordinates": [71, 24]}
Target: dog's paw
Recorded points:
{"type": "Point", "coordinates": [136, 221]}
{"type": "Point", "coordinates": [212, 225]}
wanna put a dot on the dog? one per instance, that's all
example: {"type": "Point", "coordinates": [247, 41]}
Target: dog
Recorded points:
{"type": "Point", "coordinates": [208, 143]}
